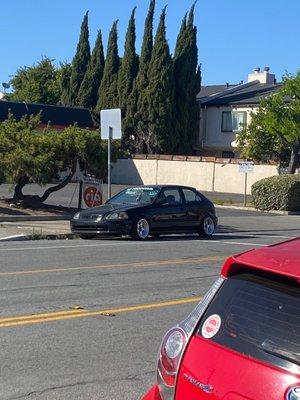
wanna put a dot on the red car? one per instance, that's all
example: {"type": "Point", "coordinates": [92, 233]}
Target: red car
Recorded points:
{"type": "Point", "coordinates": [242, 341]}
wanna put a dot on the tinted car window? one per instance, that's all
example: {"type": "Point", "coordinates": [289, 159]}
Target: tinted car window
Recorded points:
{"type": "Point", "coordinates": [170, 196]}
{"type": "Point", "coordinates": [135, 195]}
{"type": "Point", "coordinates": [258, 317]}
{"type": "Point", "coordinates": [191, 196]}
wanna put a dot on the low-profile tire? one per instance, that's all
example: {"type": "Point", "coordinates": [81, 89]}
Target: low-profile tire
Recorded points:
{"type": "Point", "coordinates": [140, 229]}
{"type": "Point", "coordinates": [87, 236]}
{"type": "Point", "coordinates": [207, 226]}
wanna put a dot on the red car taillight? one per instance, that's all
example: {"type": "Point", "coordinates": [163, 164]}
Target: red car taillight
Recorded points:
{"type": "Point", "coordinates": [175, 342]}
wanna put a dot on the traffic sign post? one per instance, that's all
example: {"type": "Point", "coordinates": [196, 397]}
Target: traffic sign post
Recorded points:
{"type": "Point", "coordinates": [246, 167]}
{"type": "Point", "coordinates": [111, 128]}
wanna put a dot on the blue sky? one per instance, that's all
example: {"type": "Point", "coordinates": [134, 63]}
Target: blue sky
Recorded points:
{"type": "Point", "coordinates": [234, 36]}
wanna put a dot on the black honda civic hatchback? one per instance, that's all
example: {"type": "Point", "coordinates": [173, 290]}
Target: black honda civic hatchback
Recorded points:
{"type": "Point", "coordinates": [145, 211]}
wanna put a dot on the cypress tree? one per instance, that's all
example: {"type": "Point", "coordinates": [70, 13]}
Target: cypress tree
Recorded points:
{"type": "Point", "coordinates": [88, 92]}
{"type": "Point", "coordinates": [65, 75]}
{"type": "Point", "coordinates": [140, 116]}
{"type": "Point", "coordinates": [159, 97]}
{"type": "Point", "coordinates": [187, 84]}
{"type": "Point", "coordinates": [108, 91]}
{"type": "Point", "coordinates": [129, 65]}
{"type": "Point", "coordinates": [80, 61]}
{"type": "Point", "coordinates": [127, 75]}
{"type": "Point", "coordinates": [129, 123]}
{"type": "Point", "coordinates": [147, 46]}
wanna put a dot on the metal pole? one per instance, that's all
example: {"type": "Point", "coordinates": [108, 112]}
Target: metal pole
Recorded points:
{"type": "Point", "coordinates": [245, 193]}
{"type": "Point", "coordinates": [80, 195]}
{"type": "Point", "coordinates": [110, 134]}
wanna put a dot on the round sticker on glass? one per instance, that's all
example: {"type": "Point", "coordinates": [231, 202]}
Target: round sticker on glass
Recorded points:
{"type": "Point", "coordinates": [211, 326]}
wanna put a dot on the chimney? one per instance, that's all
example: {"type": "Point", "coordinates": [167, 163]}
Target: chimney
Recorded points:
{"type": "Point", "coordinates": [263, 76]}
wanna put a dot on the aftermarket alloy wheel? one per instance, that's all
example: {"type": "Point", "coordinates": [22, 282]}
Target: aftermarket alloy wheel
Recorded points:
{"type": "Point", "coordinates": [141, 229]}
{"type": "Point", "coordinates": [207, 226]}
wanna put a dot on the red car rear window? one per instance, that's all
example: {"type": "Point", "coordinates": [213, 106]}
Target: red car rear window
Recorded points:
{"type": "Point", "coordinates": [256, 316]}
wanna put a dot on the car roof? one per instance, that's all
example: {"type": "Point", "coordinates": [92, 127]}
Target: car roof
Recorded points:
{"type": "Point", "coordinates": [281, 258]}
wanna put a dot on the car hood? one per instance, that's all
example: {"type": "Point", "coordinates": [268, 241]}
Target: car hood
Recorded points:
{"type": "Point", "coordinates": [106, 208]}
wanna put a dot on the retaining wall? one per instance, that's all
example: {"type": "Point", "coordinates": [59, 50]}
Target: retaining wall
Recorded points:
{"type": "Point", "coordinates": [219, 175]}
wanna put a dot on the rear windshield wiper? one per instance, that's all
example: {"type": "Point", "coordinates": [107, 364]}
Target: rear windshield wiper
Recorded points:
{"type": "Point", "coordinates": [271, 348]}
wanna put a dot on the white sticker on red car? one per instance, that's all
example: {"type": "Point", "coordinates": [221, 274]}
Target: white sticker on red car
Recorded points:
{"type": "Point", "coordinates": [211, 326]}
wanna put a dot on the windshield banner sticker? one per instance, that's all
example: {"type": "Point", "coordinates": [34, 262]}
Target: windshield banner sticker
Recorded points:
{"type": "Point", "coordinates": [211, 326]}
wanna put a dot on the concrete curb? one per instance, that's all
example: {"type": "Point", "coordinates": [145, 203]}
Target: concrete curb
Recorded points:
{"type": "Point", "coordinates": [36, 218]}
{"type": "Point", "coordinates": [14, 238]}
{"type": "Point", "coordinates": [278, 212]}
{"type": "Point", "coordinates": [23, 237]}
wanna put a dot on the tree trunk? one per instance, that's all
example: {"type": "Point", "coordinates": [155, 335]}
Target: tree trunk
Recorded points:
{"type": "Point", "coordinates": [35, 200]}
{"type": "Point", "coordinates": [52, 189]}
{"type": "Point", "coordinates": [294, 160]}
{"type": "Point", "coordinates": [18, 194]}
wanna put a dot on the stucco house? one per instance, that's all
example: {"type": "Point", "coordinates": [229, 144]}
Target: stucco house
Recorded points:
{"type": "Point", "coordinates": [225, 108]}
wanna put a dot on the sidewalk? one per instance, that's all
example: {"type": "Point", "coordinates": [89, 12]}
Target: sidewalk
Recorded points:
{"type": "Point", "coordinates": [20, 230]}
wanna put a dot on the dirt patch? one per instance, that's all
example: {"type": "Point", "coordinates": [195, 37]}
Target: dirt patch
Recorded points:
{"type": "Point", "coordinates": [7, 208]}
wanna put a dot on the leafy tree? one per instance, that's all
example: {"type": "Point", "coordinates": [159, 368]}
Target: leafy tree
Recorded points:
{"type": "Point", "coordinates": [36, 84]}
{"type": "Point", "coordinates": [274, 129]}
{"type": "Point", "coordinates": [80, 61]}
{"type": "Point", "coordinates": [129, 66]}
{"type": "Point", "coordinates": [108, 92]}
{"type": "Point", "coordinates": [88, 92]}
{"type": "Point", "coordinates": [64, 74]}
{"type": "Point", "coordinates": [156, 131]}
{"type": "Point", "coordinates": [30, 155]}
{"type": "Point", "coordinates": [187, 84]}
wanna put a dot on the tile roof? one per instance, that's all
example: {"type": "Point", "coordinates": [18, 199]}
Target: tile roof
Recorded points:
{"type": "Point", "coordinates": [55, 115]}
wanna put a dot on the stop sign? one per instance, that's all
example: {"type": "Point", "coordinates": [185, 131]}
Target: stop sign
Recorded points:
{"type": "Point", "coordinates": [92, 196]}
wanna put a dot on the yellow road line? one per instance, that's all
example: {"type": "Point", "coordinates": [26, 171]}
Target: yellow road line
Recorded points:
{"type": "Point", "coordinates": [139, 264]}
{"type": "Point", "coordinates": [65, 315]}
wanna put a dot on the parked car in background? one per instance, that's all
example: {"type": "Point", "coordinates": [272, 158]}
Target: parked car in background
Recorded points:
{"type": "Point", "coordinates": [242, 341]}
{"type": "Point", "coordinates": [149, 210]}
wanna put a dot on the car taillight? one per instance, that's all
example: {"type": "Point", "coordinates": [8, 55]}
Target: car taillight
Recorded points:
{"type": "Point", "coordinates": [174, 344]}
{"type": "Point", "coordinates": [170, 354]}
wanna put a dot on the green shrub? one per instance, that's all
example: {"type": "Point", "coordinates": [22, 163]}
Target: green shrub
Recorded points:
{"type": "Point", "coordinates": [280, 192]}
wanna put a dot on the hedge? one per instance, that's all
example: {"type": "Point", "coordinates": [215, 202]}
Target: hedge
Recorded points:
{"type": "Point", "coordinates": [280, 192]}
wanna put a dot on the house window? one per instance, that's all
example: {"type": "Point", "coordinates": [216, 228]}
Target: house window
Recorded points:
{"type": "Point", "coordinates": [233, 121]}
{"type": "Point", "coordinates": [226, 121]}
{"type": "Point", "coordinates": [239, 119]}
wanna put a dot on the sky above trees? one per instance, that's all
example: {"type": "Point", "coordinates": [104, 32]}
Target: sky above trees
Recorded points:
{"type": "Point", "coordinates": [234, 36]}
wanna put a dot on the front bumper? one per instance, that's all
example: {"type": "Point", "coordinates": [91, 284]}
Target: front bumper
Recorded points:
{"type": "Point", "coordinates": [153, 394]}
{"type": "Point", "coordinates": [113, 227]}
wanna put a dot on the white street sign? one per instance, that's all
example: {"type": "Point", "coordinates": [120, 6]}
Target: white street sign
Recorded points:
{"type": "Point", "coordinates": [111, 122]}
{"type": "Point", "coordinates": [246, 167]}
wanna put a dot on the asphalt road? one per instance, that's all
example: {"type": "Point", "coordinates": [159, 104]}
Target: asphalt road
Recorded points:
{"type": "Point", "coordinates": [84, 319]}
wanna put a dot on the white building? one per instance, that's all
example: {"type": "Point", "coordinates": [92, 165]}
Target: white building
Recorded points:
{"type": "Point", "coordinates": [225, 108]}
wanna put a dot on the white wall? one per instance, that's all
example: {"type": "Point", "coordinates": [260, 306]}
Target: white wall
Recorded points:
{"type": "Point", "coordinates": [207, 176]}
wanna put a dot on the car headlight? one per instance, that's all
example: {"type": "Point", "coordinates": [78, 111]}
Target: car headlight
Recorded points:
{"type": "Point", "coordinates": [77, 216]}
{"type": "Point", "coordinates": [117, 215]}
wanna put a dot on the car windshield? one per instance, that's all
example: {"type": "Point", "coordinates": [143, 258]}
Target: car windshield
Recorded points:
{"type": "Point", "coordinates": [260, 318]}
{"type": "Point", "coordinates": [135, 195]}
